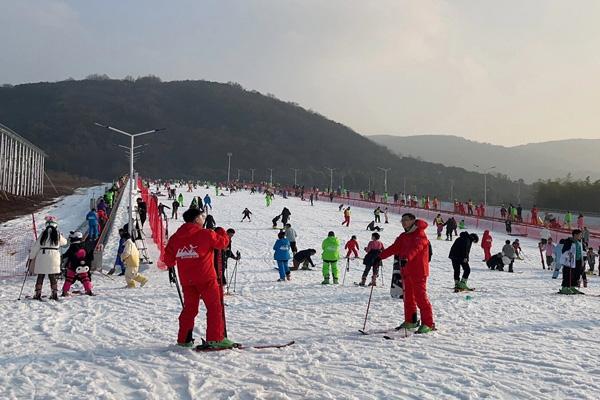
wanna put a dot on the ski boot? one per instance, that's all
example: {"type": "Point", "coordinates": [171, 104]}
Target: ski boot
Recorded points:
{"type": "Point", "coordinates": [222, 344]}
{"type": "Point", "coordinates": [456, 285]}
{"type": "Point", "coordinates": [325, 281]}
{"type": "Point", "coordinates": [462, 285]}
{"type": "Point", "coordinates": [188, 344]}
{"type": "Point", "coordinates": [565, 290]}
{"type": "Point", "coordinates": [408, 325]}
{"type": "Point", "coordinates": [373, 281]}
{"type": "Point", "coordinates": [363, 280]}
{"type": "Point", "coordinates": [335, 281]}
{"type": "Point", "coordinates": [425, 329]}
{"type": "Point", "coordinates": [54, 295]}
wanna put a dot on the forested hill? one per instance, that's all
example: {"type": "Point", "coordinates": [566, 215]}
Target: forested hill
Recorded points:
{"type": "Point", "coordinates": [204, 121]}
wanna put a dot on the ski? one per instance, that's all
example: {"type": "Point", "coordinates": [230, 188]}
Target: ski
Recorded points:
{"type": "Point", "coordinates": [461, 290]}
{"type": "Point", "coordinates": [240, 346]}
{"type": "Point", "coordinates": [377, 332]}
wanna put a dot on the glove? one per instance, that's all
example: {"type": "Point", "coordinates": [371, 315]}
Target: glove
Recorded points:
{"type": "Point", "coordinates": [161, 265]}
{"type": "Point", "coordinates": [172, 276]}
{"type": "Point", "coordinates": [403, 262]}
{"type": "Point", "coordinates": [238, 255]}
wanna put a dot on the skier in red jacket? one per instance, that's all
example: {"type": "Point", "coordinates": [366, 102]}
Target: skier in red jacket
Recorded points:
{"type": "Point", "coordinates": [192, 248]}
{"type": "Point", "coordinates": [352, 247]}
{"type": "Point", "coordinates": [486, 245]}
{"type": "Point", "coordinates": [412, 248]}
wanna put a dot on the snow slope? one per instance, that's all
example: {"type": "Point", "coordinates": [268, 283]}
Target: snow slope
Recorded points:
{"type": "Point", "coordinates": [514, 338]}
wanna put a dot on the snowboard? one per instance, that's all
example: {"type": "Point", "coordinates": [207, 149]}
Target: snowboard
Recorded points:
{"type": "Point", "coordinates": [240, 346]}
{"type": "Point", "coordinates": [396, 289]}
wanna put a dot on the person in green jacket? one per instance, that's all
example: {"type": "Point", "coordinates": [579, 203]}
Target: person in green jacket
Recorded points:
{"type": "Point", "coordinates": [331, 255]}
{"type": "Point", "coordinates": [180, 199]}
{"type": "Point", "coordinates": [568, 219]}
{"type": "Point", "coordinates": [109, 197]}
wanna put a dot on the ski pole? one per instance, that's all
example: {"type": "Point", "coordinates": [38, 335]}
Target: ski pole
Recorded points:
{"type": "Point", "coordinates": [347, 269]}
{"type": "Point", "coordinates": [173, 279]}
{"type": "Point", "coordinates": [25, 278]}
{"type": "Point", "coordinates": [235, 275]}
{"type": "Point", "coordinates": [368, 306]}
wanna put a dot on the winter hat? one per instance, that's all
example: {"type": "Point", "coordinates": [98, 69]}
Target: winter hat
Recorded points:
{"type": "Point", "coordinates": [331, 233]}
{"type": "Point", "coordinates": [51, 221]}
{"type": "Point", "coordinates": [474, 238]}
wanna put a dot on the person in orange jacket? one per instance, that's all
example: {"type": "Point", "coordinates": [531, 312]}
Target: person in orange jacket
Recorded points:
{"type": "Point", "coordinates": [192, 249]}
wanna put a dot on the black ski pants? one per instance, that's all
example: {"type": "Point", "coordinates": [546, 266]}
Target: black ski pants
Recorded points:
{"type": "Point", "coordinates": [456, 264]}
{"type": "Point", "coordinates": [571, 275]}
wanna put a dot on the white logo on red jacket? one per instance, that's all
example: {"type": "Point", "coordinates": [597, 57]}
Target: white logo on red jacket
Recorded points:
{"type": "Point", "coordinates": [187, 252]}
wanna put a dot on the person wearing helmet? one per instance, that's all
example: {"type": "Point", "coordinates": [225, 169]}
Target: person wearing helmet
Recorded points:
{"type": "Point", "coordinates": [79, 259]}
{"type": "Point", "coordinates": [459, 254]}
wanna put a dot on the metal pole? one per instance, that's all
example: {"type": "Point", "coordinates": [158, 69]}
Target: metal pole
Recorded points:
{"type": "Point", "coordinates": [228, 166]}
{"type": "Point", "coordinates": [271, 176]}
{"type": "Point", "coordinates": [252, 176]}
{"type": "Point", "coordinates": [385, 171]}
{"type": "Point", "coordinates": [485, 189]}
{"type": "Point", "coordinates": [131, 186]}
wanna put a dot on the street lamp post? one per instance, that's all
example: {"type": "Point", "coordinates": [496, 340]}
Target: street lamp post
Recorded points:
{"type": "Point", "coordinates": [228, 166]}
{"type": "Point", "coordinates": [385, 171]}
{"type": "Point", "coordinates": [485, 172]}
{"type": "Point", "coordinates": [330, 178]}
{"type": "Point", "coordinates": [252, 176]}
{"type": "Point", "coordinates": [295, 172]}
{"type": "Point", "coordinates": [271, 177]}
{"type": "Point", "coordinates": [132, 137]}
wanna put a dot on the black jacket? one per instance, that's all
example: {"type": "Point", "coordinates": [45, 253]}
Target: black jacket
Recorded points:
{"type": "Point", "coordinates": [461, 247]}
{"type": "Point", "coordinates": [304, 255]}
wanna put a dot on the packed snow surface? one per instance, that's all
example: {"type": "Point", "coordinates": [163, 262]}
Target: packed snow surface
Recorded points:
{"type": "Point", "coordinates": [512, 338]}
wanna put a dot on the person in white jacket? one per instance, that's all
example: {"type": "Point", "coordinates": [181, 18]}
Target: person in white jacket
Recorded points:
{"type": "Point", "coordinates": [45, 257]}
{"type": "Point", "coordinates": [131, 259]}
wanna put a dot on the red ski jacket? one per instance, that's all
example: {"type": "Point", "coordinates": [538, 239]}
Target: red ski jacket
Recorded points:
{"type": "Point", "coordinates": [351, 245]}
{"type": "Point", "coordinates": [192, 248]}
{"type": "Point", "coordinates": [486, 240]}
{"type": "Point", "coordinates": [414, 247]}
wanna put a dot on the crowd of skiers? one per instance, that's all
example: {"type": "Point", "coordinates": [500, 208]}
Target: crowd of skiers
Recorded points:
{"type": "Point", "coordinates": [199, 250]}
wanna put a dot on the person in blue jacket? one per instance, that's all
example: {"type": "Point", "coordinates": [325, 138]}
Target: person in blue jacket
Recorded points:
{"type": "Point", "coordinates": [282, 256]}
{"type": "Point", "coordinates": [207, 202]}
{"type": "Point", "coordinates": [92, 219]}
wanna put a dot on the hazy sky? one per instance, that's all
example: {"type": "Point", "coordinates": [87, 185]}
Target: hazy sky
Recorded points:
{"type": "Point", "coordinates": [504, 72]}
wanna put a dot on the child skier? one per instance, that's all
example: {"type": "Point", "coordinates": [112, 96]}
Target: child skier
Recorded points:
{"type": "Point", "coordinates": [549, 247]}
{"type": "Point", "coordinates": [371, 227]}
{"type": "Point", "coordinates": [131, 260]}
{"type": "Point", "coordinates": [352, 247]}
{"type": "Point", "coordinates": [346, 217]}
{"type": "Point", "coordinates": [517, 246]}
{"type": "Point", "coordinates": [246, 214]}
{"type": "Point", "coordinates": [486, 245]}
{"type": "Point", "coordinates": [207, 202]}
{"type": "Point", "coordinates": [373, 249]}
{"type": "Point", "coordinates": [439, 223]}
{"type": "Point", "coordinates": [92, 219]}
{"type": "Point", "coordinates": [275, 221]}
{"type": "Point", "coordinates": [282, 256]}
{"type": "Point", "coordinates": [79, 261]}
{"type": "Point", "coordinates": [330, 255]}
{"type": "Point", "coordinates": [180, 199]}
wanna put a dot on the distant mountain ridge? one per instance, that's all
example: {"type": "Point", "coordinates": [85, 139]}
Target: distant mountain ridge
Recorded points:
{"type": "Point", "coordinates": [206, 120]}
{"type": "Point", "coordinates": [530, 162]}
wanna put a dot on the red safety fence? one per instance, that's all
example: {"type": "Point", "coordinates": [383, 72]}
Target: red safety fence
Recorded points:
{"type": "Point", "coordinates": [158, 225]}
{"type": "Point", "coordinates": [471, 221]}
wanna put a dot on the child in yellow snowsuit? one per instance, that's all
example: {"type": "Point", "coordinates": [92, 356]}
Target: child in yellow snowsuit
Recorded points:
{"type": "Point", "coordinates": [131, 260]}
